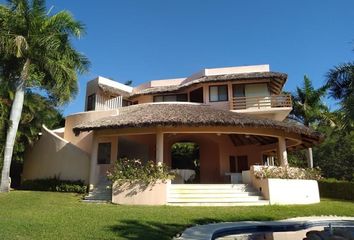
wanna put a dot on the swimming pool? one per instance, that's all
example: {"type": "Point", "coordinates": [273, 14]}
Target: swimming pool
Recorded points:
{"type": "Point", "coordinates": [291, 229]}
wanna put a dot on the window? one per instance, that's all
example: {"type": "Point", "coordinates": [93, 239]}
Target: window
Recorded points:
{"type": "Point", "coordinates": [104, 153]}
{"type": "Point", "coordinates": [158, 98]}
{"type": "Point", "coordinates": [218, 93]}
{"type": "Point", "coordinates": [197, 95]}
{"type": "Point", "coordinates": [182, 97]}
{"type": "Point", "coordinates": [171, 98]}
{"type": "Point", "coordinates": [91, 99]}
{"type": "Point", "coordinates": [238, 90]}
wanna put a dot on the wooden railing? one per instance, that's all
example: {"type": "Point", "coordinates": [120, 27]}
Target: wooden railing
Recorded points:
{"type": "Point", "coordinates": [274, 101]}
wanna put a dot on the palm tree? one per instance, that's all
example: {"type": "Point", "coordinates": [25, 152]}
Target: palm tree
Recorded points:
{"type": "Point", "coordinates": [36, 51]}
{"type": "Point", "coordinates": [309, 109]}
{"type": "Point", "coordinates": [340, 81]}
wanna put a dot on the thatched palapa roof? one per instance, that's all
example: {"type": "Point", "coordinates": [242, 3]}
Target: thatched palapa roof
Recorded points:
{"type": "Point", "coordinates": [188, 115]}
{"type": "Point", "coordinates": [277, 81]}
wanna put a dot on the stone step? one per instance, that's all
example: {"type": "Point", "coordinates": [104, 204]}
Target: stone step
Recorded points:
{"type": "Point", "coordinates": [215, 186]}
{"type": "Point", "coordinates": [212, 194]}
{"type": "Point", "coordinates": [212, 191]}
{"type": "Point", "coordinates": [214, 199]}
{"type": "Point", "coordinates": [220, 204]}
{"type": "Point", "coordinates": [101, 192]}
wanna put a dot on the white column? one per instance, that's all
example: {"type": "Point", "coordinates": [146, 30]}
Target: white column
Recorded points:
{"type": "Point", "coordinates": [93, 164]}
{"type": "Point", "coordinates": [282, 154]}
{"type": "Point", "coordinates": [159, 147]}
{"type": "Point", "coordinates": [309, 157]}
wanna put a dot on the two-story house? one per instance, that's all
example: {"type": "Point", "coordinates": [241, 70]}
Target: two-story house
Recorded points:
{"type": "Point", "coordinates": [235, 115]}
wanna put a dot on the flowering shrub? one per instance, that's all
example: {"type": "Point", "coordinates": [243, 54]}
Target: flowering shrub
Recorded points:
{"type": "Point", "coordinates": [132, 170]}
{"type": "Point", "coordinates": [263, 172]}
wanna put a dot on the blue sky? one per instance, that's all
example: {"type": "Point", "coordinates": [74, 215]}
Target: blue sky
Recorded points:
{"type": "Point", "coordinates": [157, 39]}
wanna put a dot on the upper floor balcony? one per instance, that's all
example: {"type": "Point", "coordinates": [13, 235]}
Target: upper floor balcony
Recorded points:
{"type": "Point", "coordinates": [274, 107]}
{"type": "Point", "coordinates": [273, 101]}
{"type": "Point", "coordinates": [103, 103]}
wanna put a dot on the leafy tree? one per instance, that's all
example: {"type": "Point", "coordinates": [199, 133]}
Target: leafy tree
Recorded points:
{"type": "Point", "coordinates": [308, 105]}
{"type": "Point", "coordinates": [36, 51]}
{"type": "Point", "coordinates": [37, 110]}
{"type": "Point", "coordinates": [128, 83]}
{"type": "Point", "coordinates": [309, 109]}
{"type": "Point", "coordinates": [340, 81]}
{"type": "Point", "coordinates": [185, 155]}
{"type": "Point", "coordinates": [335, 155]}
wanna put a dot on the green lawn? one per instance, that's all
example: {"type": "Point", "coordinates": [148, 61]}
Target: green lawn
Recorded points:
{"type": "Point", "coordinates": [45, 215]}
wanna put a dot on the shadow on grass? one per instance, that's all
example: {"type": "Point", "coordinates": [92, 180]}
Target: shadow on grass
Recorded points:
{"type": "Point", "coordinates": [133, 229]}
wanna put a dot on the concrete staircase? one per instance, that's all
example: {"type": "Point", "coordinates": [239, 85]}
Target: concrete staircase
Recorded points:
{"type": "Point", "coordinates": [214, 195]}
{"type": "Point", "coordinates": [102, 192]}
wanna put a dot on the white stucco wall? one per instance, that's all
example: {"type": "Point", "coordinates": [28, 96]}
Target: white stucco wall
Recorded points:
{"type": "Point", "coordinates": [293, 191]}
{"type": "Point", "coordinates": [288, 191]}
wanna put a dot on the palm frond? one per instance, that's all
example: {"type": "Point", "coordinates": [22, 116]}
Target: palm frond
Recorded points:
{"type": "Point", "coordinates": [340, 80]}
{"type": "Point", "coordinates": [63, 22]}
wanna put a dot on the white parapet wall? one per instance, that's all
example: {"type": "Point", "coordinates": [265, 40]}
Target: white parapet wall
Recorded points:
{"type": "Point", "coordinates": [287, 191]}
{"type": "Point", "coordinates": [292, 191]}
{"type": "Point", "coordinates": [139, 194]}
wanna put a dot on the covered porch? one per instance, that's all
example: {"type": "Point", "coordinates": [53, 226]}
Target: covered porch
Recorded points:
{"type": "Point", "coordinates": [224, 152]}
{"type": "Point", "coordinates": [229, 144]}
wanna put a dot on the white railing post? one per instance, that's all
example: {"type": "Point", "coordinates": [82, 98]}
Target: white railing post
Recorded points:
{"type": "Point", "coordinates": [113, 103]}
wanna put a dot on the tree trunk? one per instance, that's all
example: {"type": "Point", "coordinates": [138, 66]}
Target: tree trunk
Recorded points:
{"type": "Point", "coordinates": [309, 157]}
{"type": "Point", "coordinates": [15, 116]}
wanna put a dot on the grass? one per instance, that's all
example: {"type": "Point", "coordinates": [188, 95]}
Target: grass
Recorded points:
{"type": "Point", "coordinates": [47, 215]}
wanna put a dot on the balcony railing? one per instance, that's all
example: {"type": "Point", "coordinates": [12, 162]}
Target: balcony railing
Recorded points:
{"type": "Point", "coordinates": [104, 104]}
{"type": "Point", "coordinates": [274, 101]}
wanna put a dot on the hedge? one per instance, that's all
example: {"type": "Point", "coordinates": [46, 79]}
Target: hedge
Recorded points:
{"type": "Point", "coordinates": [331, 188]}
{"type": "Point", "coordinates": [54, 185]}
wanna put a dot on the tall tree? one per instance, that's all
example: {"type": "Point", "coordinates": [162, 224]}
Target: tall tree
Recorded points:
{"type": "Point", "coordinates": [36, 51]}
{"type": "Point", "coordinates": [340, 81]}
{"type": "Point", "coordinates": [309, 109]}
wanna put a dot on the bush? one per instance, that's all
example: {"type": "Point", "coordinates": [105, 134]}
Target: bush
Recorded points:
{"type": "Point", "coordinates": [132, 170]}
{"type": "Point", "coordinates": [331, 188]}
{"type": "Point", "coordinates": [54, 185]}
{"type": "Point", "coordinates": [263, 172]}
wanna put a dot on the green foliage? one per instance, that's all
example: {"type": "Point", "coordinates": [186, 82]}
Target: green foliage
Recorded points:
{"type": "Point", "coordinates": [50, 215]}
{"type": "Point", "coordinates": [132, 170]}
{"type": "Point", "coordinates": [29, 34]}
{"type": "Point", "coordinates": [128, 83]}
{"type": "Point", "coordinates": [37, 110]}
{"type": "Point", "coordinates": [308, 105]}
{"type": "Point", "coordinates": [54, 185]}
{"type": "Point", "coordinates": [185, 155]}
{"type": "Point", "coordinates": [297, 159]}
{"type": "Point", "coordinates": [264, 172]}
{"type": "Point", "coordinates": [36, 52]}
{"type": "Point", "coordinates": [332, 188]}
{"type": "Point", "coordinates": [340, 81]}
{"type": "Point", "coordinates": [336, 154]}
